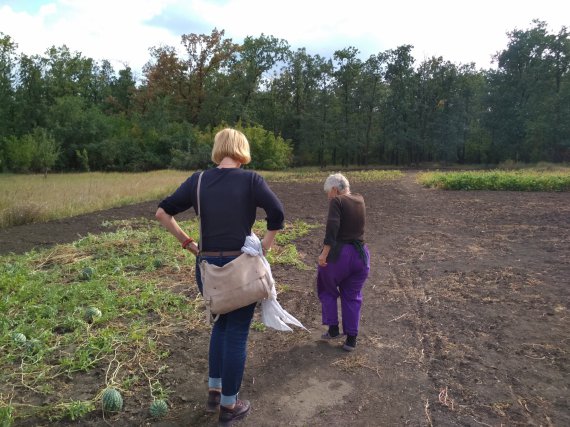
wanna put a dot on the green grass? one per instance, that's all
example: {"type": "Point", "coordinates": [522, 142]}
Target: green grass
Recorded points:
{"type": "Point", "coordinates": [137, 275]}
{"type": "Point", "coordinates": [519, 180]}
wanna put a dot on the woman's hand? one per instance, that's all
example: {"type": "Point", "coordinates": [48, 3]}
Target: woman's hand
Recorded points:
{"type": "Point", "coordinates": [193, 247]}
{"type": "Point", "coordinates": [267, 241]}
{"type": "Point", "coordinates": [323, 256]}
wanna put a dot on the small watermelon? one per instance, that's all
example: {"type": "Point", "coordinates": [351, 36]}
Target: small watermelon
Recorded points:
{"type": "Point", "coordinates": [86, 273]}
{"type": "Point", "coordinates": [112, 400]}
{"type": "Point", "coordinates": [19, 338]}
{"type": "Point", "coordinates": [158, 408]}
{"type": "Point", "coordinates": [91, 314]}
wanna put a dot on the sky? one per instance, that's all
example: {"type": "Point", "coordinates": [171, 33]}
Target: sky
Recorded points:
{"type": "Point", "coordinates": [122, 31]}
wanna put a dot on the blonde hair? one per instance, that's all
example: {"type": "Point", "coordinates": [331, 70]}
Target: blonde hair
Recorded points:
{"type": "Point", "coordinates": [231, 143]}
{"type": "Point", "coordinates": [337, 180]}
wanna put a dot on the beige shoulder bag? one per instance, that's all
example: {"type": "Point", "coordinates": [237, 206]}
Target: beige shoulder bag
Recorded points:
{"type": "Point", "coordinates": [241, 282]}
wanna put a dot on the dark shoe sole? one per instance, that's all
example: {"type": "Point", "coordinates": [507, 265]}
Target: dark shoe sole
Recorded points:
{"type": "Point", "coordinates": [327, 337]}
{"type": "Point", "coordinates": [210, 409]}
{"type": "Point", "coordinates": [348, 348]}
{"type": "Point", "coordinates": [237, 418]}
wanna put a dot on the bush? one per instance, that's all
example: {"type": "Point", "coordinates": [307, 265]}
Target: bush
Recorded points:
{"type": "Point", "coordinates": [36, 152]}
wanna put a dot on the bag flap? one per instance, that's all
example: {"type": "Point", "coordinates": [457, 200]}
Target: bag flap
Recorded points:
{"type": "Point", "coordinates": [243, 269]}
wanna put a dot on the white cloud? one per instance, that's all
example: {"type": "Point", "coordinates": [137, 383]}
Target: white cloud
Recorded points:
{"type": "Point", "coordinates": [119, 30]}
{"type": "Point", "coordinates": [113, 30]}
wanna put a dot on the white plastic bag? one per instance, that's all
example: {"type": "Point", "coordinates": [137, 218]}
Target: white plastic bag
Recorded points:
{"type": "Point", "coordinates": [272, 314]}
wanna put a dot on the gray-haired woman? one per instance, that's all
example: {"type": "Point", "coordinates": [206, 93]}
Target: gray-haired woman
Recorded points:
{"type": "Point", "coordinates": [344, 262]}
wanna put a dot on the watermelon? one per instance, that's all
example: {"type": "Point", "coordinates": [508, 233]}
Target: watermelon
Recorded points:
{"type": "Point", "coordinates": [112, 400]}
{"type": "Point", "coordinates": [19, 338]}
{"type": "Point", "coordinates": [86, 273]}
{"type": "Point", "coordinates": [158, 408]}
{"type": "Point", "coordinates": [91, 314]}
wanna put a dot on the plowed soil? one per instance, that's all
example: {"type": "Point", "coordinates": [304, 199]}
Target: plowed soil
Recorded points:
{"type": "Point", "coordinates": [465, 319]}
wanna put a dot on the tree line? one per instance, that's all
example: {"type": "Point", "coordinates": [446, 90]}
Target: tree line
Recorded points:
{"type": "Point", "coordinates": [64, 111]}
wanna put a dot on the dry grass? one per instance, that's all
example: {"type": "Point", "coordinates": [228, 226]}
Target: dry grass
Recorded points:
{"type": "Point", "coordinates": [33, 198]}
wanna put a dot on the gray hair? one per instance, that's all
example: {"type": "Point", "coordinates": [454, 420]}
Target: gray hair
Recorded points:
{"type": "Point", "coordinates": [337, 180]}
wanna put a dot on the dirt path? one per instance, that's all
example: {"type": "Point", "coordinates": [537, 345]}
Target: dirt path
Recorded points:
{"type": "Point", "coordinates": [465, 317]}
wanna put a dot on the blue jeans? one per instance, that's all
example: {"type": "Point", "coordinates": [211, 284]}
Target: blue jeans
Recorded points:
{"type": "Point", "coordinates": [228, 342]}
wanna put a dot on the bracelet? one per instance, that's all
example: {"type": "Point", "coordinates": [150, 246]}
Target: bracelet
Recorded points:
{"type": "Point", "coordinates": [187, 242]}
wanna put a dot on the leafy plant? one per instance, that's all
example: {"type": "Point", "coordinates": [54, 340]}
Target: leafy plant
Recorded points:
{"type": "Point", "coordinates": [520, 180]}
{"type": "Point", "coordinates": [258, 326]}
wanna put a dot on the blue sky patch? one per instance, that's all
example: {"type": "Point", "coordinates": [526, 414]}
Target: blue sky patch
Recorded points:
{"type": "Point", "coordinates": [29, 6]}
{"type": "Point", "coordinates": [178, 22]}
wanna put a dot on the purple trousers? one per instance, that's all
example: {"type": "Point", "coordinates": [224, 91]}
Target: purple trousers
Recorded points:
{"type": "Point", "coordinates": [344, 277]}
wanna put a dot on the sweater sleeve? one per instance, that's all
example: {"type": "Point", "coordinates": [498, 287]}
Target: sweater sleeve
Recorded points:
{"type": "Point", "coordinates": [268, 201]}
{"type": "Point", "coordinates": [333, 222]}
{"type": "Point", "coordinates": [180, 200]}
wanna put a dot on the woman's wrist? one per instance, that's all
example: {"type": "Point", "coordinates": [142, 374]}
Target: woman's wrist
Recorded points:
{"type": "Point", "coordinates": [187, 242]}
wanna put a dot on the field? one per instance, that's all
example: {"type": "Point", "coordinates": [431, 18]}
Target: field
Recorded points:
{"type": "Point", "coordinates": [465, 316]}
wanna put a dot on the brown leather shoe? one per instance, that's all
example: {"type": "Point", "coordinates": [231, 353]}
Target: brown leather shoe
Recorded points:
{"type": "Point", "coordinates": [213, 403]}
{"type": "Point", "coordinates": [228, 416]}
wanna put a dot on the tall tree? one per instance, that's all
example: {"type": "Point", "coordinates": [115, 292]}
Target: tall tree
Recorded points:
{"type": "Point", "coordinates": [372, 94]}
{"type": "Point", "coordinates": [31, 95]}
{"type": "Point", "coordinates": [7, 84]}
{"type": "Point", "coordinates": [348, 70]}
{"type": "Point", "coordinates": [165, 87]}
{"type": "Point", "coordinates": [257, 56]}
{"type": "Point", "coordinates": [527, 99]}
{"type": "Point", "coordinates": [208, 56]}
{"type": "Point", "coordinates": [400, 118]}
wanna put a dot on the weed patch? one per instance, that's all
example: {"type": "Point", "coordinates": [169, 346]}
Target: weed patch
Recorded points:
{"type": "Point", "coordinates": [520, 180]}
{"type": "Point", "coordinates": [102, 303]}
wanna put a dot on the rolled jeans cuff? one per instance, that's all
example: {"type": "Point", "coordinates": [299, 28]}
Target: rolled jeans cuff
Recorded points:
{"type": "Point", "coordinates": [214, 382]}
{"type": "Point", "coordinates": [228, 400]}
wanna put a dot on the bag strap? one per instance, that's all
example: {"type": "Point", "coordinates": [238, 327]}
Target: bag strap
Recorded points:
{"type": "Point", "coordinates": [199, 212]}
{"type": "Point", "coordinates": [209, 316]}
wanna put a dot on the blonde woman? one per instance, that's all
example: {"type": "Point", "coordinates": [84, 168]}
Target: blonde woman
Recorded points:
{"type": "Point", "coordinates": [344, 262]}
{"type": "Point", "coordinates": [229, 198]}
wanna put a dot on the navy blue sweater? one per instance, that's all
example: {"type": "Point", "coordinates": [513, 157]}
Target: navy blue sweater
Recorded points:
{"type": "Point", "coordinates": [229, 198]}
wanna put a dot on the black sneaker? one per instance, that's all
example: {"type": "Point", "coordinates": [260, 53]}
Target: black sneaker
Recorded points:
{"type": "Point", "coordinates": [350, 344]}
{"type": "Point", "coordinates": [228, 416]}
{"type": "Point", "coordinates": [333, 333]}
{"type": "Point", "coordinates": [213, 403]}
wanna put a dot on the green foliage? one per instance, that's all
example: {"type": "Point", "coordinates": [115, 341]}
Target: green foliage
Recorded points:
{"type": "Point", "coordinates": [47, 302]}
{"type": "Point", "coordinates": [295, 108]}
{"type": "Point", "coordinates": [285, 251]}
{"type": "Point", "coordinates": [6, 415]}
{"type": "Point", "coordinates": [33, 152]}
{"type": "Point", "coordinates": [268, 152]}
{"type": "Point", "coordinates": [258, 326]}
{"type": "Point", "coordinates": [523, 180]}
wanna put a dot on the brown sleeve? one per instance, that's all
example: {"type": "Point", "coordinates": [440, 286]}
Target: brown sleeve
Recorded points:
{"type": "Point", "coordinates": [333, 222]}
